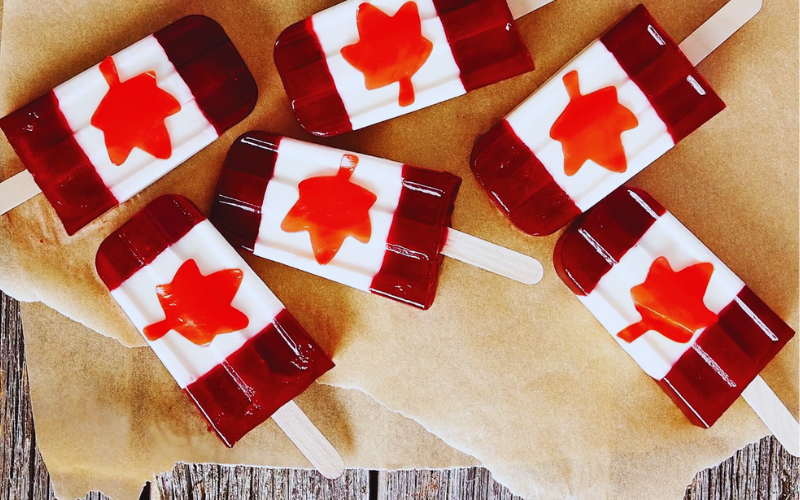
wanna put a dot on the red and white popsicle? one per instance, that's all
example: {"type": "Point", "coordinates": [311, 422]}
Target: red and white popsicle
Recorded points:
{"type": "Point", "coordinates": [682, 314]}
{"type": "Point", "coordinates": [624, 101]}
{"type": "Point", "coordinates": [106, 134]}
{"type": "Point", "coordinates": [362, 62]}
{"type": "Point", "coordinates": [373, 224]}
{"type": "Point", "coordinates": [227, 341]}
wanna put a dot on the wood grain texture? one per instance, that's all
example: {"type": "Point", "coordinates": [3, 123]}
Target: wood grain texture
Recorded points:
{"type": "Point", "coordinates": [771, 410]}
{"type": "Point", "coordinates": [762, 470]}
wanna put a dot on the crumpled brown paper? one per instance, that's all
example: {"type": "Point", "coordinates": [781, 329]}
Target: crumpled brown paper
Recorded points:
{"type": "Point", "coordinates": [111, 418]}
{"type": "Point", "coordinates": [520, 377]}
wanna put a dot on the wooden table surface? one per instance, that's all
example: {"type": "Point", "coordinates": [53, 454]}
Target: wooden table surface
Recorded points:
{"type": "Point", "coordinates": [761, 470]}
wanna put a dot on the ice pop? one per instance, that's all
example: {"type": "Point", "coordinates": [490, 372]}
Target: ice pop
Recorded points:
{"type": "Point", "coordinates": [226, 339]}
{"type": "Point", "coordinates": [688, 321]}
{"type": "Point", "coordinates": [106, 134]}
{"type": "Point", "coordinates": [359, 63]}
{"type": "Point", "coordinates": [373, 224]}
{"type": "Point", "coordinates": [624, 101]}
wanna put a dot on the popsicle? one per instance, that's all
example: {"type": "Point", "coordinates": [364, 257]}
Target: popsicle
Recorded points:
{"type": "Point", "coordinates": [686, 318]}
{"type": "Point", "coordinates": [359, 63]}
{"type": "Point", "coordinates": [106, 134]}
{"type": "Point", "coordinates": [373, 224]}
{"type": "Point", "coordinates": [227, 341]}
{"type": "Point", "coordinates": [624, 101]}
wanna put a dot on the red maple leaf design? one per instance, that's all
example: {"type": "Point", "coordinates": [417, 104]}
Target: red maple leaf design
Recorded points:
{"type": "Point", "coordinates": [132, 115]}
{"type": "Point", "coordinates": [591, 126]}
{"type": "Point", "coordinates": [390, 48]}
{"type": "Point", "coordinates": [671, 303]}
{"type": "Point", "coordinates": [199, 307]}
{"type": "Point", "coordinates": [331, 208]}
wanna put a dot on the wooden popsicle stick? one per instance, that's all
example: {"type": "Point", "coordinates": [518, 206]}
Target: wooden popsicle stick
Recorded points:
{"type": "Point", "coordinates": [17, 190]}
{"type": "Point", "coordinates": [493, 258]}
{"type": "Point", "coordinates": [719, 27]}
{"type": "Point", "coordinates": [519, 8]}
{"type": "Point", "coordinates": [774, 414]}
{"type": "Point", "coordinates": [309, 440]}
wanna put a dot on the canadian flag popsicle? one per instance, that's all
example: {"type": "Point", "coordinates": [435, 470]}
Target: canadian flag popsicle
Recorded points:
{"type": "Point", "coordinates": [687, 320]}
{"type": "Point", "coordinates": [226, 339]}
{"type": "Point", "coordinates": [103, 136]}
{"type": "Point", "coordinates": [363, 62]}
{"type": "Point", "coordinates": [373, 224]}
{"type": "Point", "coordinates": [624, 101]}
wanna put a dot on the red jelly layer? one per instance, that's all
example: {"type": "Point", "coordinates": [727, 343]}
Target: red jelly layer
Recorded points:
{"type": "Point", "coordinates": [40, 135]}
{"type": "Point", "coordinates": [264, 374]}
{"type": "Point", "coordinates": [381, 34]}
{"type": "Point", "coordinates": [410, 270]}
{"type": "Point", "coordinates": [211, 66]}
{"type": "Point", "coordinates": [727, 356]}
{"type": "Point", "coordinates": [248, 168]}
{"type": "Point", "coordinates": [204, 57]}
{"type": "Point", "coordinates": [268, 371]}
{"type": "Point", "coordinates": [519, 184]}
{"type": "Point", "coordinates": [484, 39]}
{"type": "Point", "coordinates": [308, 83]}
{"type": "Point", "coordinates": [144, 105]}
{"type": "Point", "coordinates": [330, 209]}
{"type": "Point", "coordinates": [655, 63]}
{"type": "Point", "coordinates": [139, 241]}
{"type": "Point", "coordinates": [614, 225]}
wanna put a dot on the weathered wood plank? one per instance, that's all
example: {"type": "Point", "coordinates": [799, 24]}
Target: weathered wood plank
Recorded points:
{"type": "Point", "coordinates": [763, 470]}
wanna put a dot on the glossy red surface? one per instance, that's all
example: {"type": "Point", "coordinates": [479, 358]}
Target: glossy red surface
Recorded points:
{"type": "Point", "coordinates": [39, 133]}
{"type": "Point", "coordinates": [729, 353]}
{"type": "Point", "coordinates": [267, 372]}
{"type": "Point", "coordinates": [139, 241]}
{"type": "Point", "coordinates": [199, 307]}
{"type": "Point", "coordinates": [132, 114]}
{"type": "Point", "coordinates": [248, 168]}
{"type": "Point", "coordinates": [211, 66]}
{"type": "Point", "coordinates": [308, 83]}
{"type": "Point", "coordinates": [663, 73]}
{"type": "Point", "coordinates": [485, 41]}
{"type": "Point", "coordinates": [671, 302]}
{"type": "Point", "coordinates": [483, 37]}
{"type": "Point", "coordinates": [615, 224]}
{"type": "Point", "coordinates": [519, 184]}
{"type": "Point", "coordinates": [41, 137]}
{"type": "Point", "coordinates": [381, 34]}
{"type": "Point", "coordinates": [591, 127]}
{"type": "Point", "coordinates": [410, 269]}
{"type": "Point", "coordinates": [738, 346]}
{"type": "Point", "coordinates": [331, 209]}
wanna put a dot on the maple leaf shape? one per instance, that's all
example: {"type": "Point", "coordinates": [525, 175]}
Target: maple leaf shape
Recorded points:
{"type": "Point", "coordinates": [132, 114]}
{"type": "Point", "coordinates": [591, 126]}
{"type": "Point", "coordinates": [390, 48]}
{"type": "Point", "coordinates": [199, 307]}
{"type": "Point", "coordinates": [331, 208]}
{"type": "Point", "coordinates": [671, 303]}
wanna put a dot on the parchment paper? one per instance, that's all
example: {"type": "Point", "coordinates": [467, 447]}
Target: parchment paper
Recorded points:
{"type": "Point", "coordinates": [111, 418]}
{"type": "Point", "coordinates": [520, 377]}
